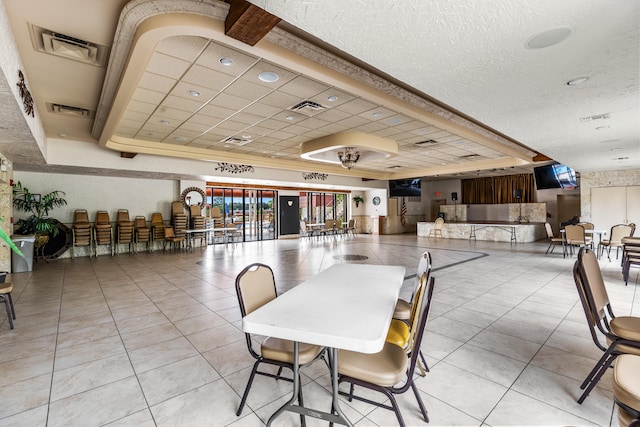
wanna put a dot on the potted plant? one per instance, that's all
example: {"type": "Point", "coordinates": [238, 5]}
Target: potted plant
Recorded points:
{"type": "Point", "coordinates": [358, 199]}
{"type": "Point", "coordinates": [39, 206]}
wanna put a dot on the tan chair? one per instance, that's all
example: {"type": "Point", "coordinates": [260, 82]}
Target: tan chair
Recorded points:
{"type": "Point", "coordinates": [173, 240]}
{"type": "Point", "coordinates": [574, 235]}
{"type": "Point", "coordinates": [102, 231]}
{"type": "Point", "coordinates": [82, 233]}
{"type": "Point", "coordinates": [553, 240]}
{"type": "Point", "coordinates": [630, 256]}
{"type": "Point", "coordinates": [588, 237]}
{"type": "Point", "coordinates": [6, 288]}
{"type": "Point", "coordinates": [618, 232]}
{"type": "Point", "coordinates": [436, 231]}
{"type": "Point", "coordinates": [124, 230]}
{"type": "Point", "coordinates": [626, 388]}
{"type": "Point", "coordinates": [613, 335]}
{"type": "Point", "coordinates": [142, 232]}
{"type": "Point", "coordinates": [177, 208]}
{"type": "Point", "coordinates": [403, 307]}
{"type": "Point", "coordinates": [352, 227]}
{"type": "Point", "coordinates": [256, 286]}
{"type": "Point", "coordinates": [385, 370]}
{"type": "Point", "coordinates": [157, 226]}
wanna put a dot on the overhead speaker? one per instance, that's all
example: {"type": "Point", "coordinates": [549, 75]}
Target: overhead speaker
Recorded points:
{"type": "Point", "coordinates": [518, 194]}
{"type": "Point", "coordinates": [454, 196]}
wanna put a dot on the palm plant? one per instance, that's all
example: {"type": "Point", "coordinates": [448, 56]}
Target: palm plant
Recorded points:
{"type": "Point", "coordinates": [39, 207]}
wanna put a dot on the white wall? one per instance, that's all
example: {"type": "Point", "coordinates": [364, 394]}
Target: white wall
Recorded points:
{"type": "Point", "coordinates": [93, 193]}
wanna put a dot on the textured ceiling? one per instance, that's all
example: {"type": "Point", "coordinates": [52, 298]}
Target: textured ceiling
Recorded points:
{"type": "Point", "coordinates": [469, 56]}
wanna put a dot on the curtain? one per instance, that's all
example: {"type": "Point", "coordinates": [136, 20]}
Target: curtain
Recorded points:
{"type": "Point", "coordinates": [499, 189]}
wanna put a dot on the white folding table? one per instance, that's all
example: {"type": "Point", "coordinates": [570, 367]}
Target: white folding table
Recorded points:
{"type": "Point", "coordinates": [346, 306]}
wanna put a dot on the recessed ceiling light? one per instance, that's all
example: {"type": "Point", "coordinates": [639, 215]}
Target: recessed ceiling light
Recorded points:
{"type": "Point", "coordinates": [289, 117]}
{"type": "Point", "coordinates": [332, 98]}
{"type": "Point", "coordinates": [268, 76]}
{"type": "Point", "coordinates": [226, 61]}
{"type": "Point", "coordinates": [376, 114]}
{"type": "Point", "coordinates": [149, 133]}
{"type": "Point", "coordinates": [548, 38]}
{"type": "Point", "coordinates": [246, 136]}
{"type": "Point", "coordinates": [395, 121]}
{"type": "Point", "coordinates": [62, 135]}
{"type": "Point", "coordinates": [577, 81]}
{"type": "Point", "coordinates": [180, 138]}
{"type": "Point", "coordinates": [193, 93]}
{"type": "Point", "coordinates": [164, 122]}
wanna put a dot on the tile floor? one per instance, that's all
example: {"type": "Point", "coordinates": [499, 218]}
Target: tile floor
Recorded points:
{"type": "Point", "coordinates": [155, 339]}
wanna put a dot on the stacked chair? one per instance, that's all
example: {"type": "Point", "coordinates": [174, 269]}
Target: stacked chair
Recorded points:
{"type": "Point", "coordinates": [142, 232]}
{"type": "Point", "coordinates": [157, 227]}
{"type": "Point", "coordinates": [124, 227]}
{"type": "Point", "coordinates": [626, 389]}
{"type": "Point", "coordinates": [197, 223]}
{"type": "Point", "coordinates": [81, 231]}
{"type": "Point", "coordinates": [179, 220]}
{"type": "Point", "coordinates": [102, 234]}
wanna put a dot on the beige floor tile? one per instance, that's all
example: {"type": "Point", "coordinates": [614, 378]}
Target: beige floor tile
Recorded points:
{"type": "Point", "coordinates": [148, 336]}
{"type": "Point", "coordinates": [88, 352]}
{"type": "Point", "coordinates": [156, 355]}
{"type": "Point", "coordinates": [24, 395]}
{"type": "Point", "coordinates": [30, 418]}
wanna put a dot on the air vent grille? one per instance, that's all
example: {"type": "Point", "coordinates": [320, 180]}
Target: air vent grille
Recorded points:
{"type": "Point", "coordinates": [308, 107]}
{"type": "Point", "coordinates": [236, 141]}
{"type": "Point", "coordinates": [69, 47]}
{"type": "Point", "coordinates": [470, 156]}
{"type": "Point", "coordinates": [428, 141]}
{"type": "Point", "coordinates": [603, 116]}
{"type": "Point", "coordinates": [68, 110]}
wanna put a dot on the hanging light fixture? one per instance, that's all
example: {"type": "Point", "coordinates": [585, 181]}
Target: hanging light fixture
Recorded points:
{"type": "Point", "coordinates": [348, 157]}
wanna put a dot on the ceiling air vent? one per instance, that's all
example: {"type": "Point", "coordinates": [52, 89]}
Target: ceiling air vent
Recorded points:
{"type": "Point", "coordinates": [68, 110]}
{"type": "Point", "coordinates": [595, 117]}
{"type": "Point", "coordinates": [236, 141]}
{"type": "Point", "coordinates": [308, 107]}
{"type": "Point", "coordinates": [470, 156]}
{"type": "Point", "coordinates": [65, 46]}
{"type": "Point", "coordinates": [428, 141]}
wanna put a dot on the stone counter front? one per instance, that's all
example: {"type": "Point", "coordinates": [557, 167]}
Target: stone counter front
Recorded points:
{"type": "Point", "coordinates": [491, 232]}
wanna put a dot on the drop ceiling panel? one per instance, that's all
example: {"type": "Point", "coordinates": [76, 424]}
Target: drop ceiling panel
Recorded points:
{"type": "Point", "coordinates": [214, 79]}
{"type": "Point", "coordinates": [184, 47]}
{"type": "Point", "coordinates": [167, 66]}
{"type": "Point", "coordinates": [215, 51]}
{"type": "Point", "coordinates": [156, 82]}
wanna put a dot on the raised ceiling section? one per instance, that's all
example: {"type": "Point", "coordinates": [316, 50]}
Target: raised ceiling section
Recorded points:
{"type": "Point", "coordinates": [187, 90]}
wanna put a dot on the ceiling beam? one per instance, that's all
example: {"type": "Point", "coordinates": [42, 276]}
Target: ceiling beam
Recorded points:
{"type": "Point", "coordinates": [247, 22]}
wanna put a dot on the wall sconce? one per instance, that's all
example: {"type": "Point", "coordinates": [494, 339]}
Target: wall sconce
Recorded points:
{"type": "Point", "coordinates": [4, 165]}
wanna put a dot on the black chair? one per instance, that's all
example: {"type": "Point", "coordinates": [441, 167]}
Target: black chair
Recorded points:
{"type": "Point", "coordinates": [256, 286]}
{"type": "Point", "coordinates": [613, 335]}
{"type": "Point", "coordinates": [382, 371]}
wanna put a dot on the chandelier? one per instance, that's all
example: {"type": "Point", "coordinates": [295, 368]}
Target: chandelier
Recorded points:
{"type": "Point", "coordinates": [348, 157]}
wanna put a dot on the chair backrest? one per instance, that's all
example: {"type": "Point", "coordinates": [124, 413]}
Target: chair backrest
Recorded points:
{"type": "Point", "coordinates": [102, 217]}
{"type": "Point", "coordinates": [592, 320]}
{"type": "Point", "coordinates": [255, 286]}
{"type": "Point", "coordinates": [169, 233]}
{"type": "Point", "coordinates": [633, 229]}
{"type": "Point", "coordinates": [123, 215]}
{"type": "Point", "coordinates": [586, 225]}
{"type": "Point", "coordinates": [80, 216]}
{"type": "Point", "coordinates": [438, 224]}
{"type": "Point", "coordinates": [195, 210]}
{"type": "Point", "coordinates": [594, 290]}
{"type": "Point", "coordinates": [352, 223]}
{"type": "Point", "coordinates": [416, 306]}
{"type": "Point", "coordinates": [156, 219]}
{"type": "Point", "coordinates": [618, 232]}
{"type": "Point", "coordinates": [424, 265]}
{"type": "Point", "coordinates": [303, 226]}
{"type": "Point", "coordinates": [549, 230]}
{"type": "Point", "coordinates": [140, 222]}
{"type": "Point", "coordinates": [574, 234]}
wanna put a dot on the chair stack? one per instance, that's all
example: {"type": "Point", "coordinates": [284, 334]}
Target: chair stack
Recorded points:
{"type": "Point", "coordinates": [630, 256]}
{"type": "Point", "coordinates": [157, 225]}
{"type": "Point", "coordinates": [618, 232]}
{"type": "Point", "coordinates": [124, 228]}
{"type": "Point", "coordinates": [81, 231]}
{"type": "Point", "coordinates": [102, 231]}
{"type": "Point", "coordinates": [142, 232]}
{"type": "Point", "coordinates": [197, 223]}
{"type": "Point", "coordinates": [626, 388]}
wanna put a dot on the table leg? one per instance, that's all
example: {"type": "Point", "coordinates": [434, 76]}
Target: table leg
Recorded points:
{"type": "Point", "coordinates": [296, 384]}
{"type": "Point", "coordinates": [335, 404]}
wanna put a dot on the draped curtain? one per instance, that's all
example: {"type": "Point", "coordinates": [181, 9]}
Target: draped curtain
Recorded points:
{"type": "Point", "coordinates": [498, 189]}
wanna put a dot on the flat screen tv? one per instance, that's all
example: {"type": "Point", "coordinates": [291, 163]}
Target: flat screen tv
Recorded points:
{"type": "Point", "coordinates": [404, 188]}
{"type": "Point", "coordinates": [555, 176]}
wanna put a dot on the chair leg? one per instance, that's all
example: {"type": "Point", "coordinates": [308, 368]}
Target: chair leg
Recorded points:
{"type": "Point", "coordinates": [596, 373]}
{"type": "Point", "coordinates": [6, 305]}
{"type": "Point", "coordinates": [420, 402]}
{"type": "Point", "coordinates": [396, 408]}
{"type": "Point", "coordinates": [13, 309]}
{"type": "Point", "coordinates": [246, 390]}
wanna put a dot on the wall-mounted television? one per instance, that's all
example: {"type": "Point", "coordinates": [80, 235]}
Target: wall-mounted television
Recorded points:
{"type": "Point", "coordinates": [555, 176]}
{"type": "Point", "coordinates": [404, 187]}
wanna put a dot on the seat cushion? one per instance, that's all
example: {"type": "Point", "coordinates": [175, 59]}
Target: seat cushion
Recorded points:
{"type": "Point", "coordinates": [402, 310]}
{"type": "Point", "coordinates": [282, 351]}
{"type": "Point", "coordinates": [6, 288]}
{"type": "Point", "coordinates": [626, 380]}
{"type": "Point", "coordinates": [627, 327]}
{"type": "Point", "coordinates": [398, 333]}
{"type": "Point", "coordinates": [385, 368]}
